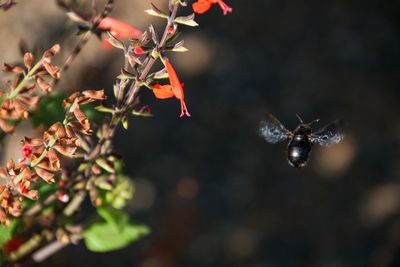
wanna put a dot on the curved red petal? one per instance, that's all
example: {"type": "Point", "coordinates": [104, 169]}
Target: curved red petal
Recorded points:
{"type": "Point", "coordinates": [163, 91]}
{"type": "Point", "coordinates": [123, 29]}
{"type": "Point", "coordinates": [201, 6]}
{"type": "Point", "coordinates": [177, 88]}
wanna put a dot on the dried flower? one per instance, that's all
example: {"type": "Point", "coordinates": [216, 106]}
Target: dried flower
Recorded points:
{"type": "Point", "coordinates": [40, 156]}
{"type": "Point", "coordinates": [84, 97]}
{"type": "Point", "coordinates": [21, 97]}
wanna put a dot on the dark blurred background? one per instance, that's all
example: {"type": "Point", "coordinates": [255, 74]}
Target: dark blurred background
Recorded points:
{"type": "Point", "coordinates": [216, 194]}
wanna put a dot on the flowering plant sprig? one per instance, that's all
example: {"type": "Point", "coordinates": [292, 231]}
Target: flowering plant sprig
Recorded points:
{"type": "Point", "coordinates": [96, 171]}
{"type": "Point", "coordinates": [20, 97]}
{"type": "Point", "coordinates": [141, 54]}
{"type": "Point", "coordinates": [40, 156]}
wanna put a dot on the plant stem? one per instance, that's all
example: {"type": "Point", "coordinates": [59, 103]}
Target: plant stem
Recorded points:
{"type": "Point", "coordinates": [28, 76]}
{"type": "Point", "coordinates": [75, 52]}
{"type": "Point", "coordinates": [135, 86]}
{"type": "Point", "coordinates": [75, 203]}
{"type": "Point", "coordinates": [27, 247]}
{"type": "Point", "coordinates": [85, 38]}
{"type": "Point", "coordinates": [133, 90]}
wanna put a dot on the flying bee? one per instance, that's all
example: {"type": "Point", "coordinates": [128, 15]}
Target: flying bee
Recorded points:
{"type": "Point", "coordinates": [301, 139]}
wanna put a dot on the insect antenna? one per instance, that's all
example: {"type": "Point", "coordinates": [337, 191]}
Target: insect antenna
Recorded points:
{"type": "Point", "coordinates": [314, 121]}
{"type": "Point", "coordinates": [301, 121]}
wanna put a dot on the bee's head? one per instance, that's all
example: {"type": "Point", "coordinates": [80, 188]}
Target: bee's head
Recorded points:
{"type": "Point", "coordinates": [303, 129]}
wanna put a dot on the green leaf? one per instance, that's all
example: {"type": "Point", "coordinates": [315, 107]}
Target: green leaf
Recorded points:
{"type": "Point", "coordinates": [103, 182]}
{"type": "Point", "coordinates": [105, 165]}
{"type": "Point", "coordinates": [188, 20]}
{"type": "Point", "coordinates": [161, 74]}
{"type": "Point", "coordinates": [151, 12]}
{"type": "Point", "coordinates": [115, 42]}
{"type": "Point", "coordinates": [155, 11]}
{"type": "Point", "coordinates": [104, 237]}
{"type": "Point", "coordinates": [125, 123]}
{"type": "Point", "coordinates": [126, 75]}
{"type": "Point", "coordinates": [114, 217]}
{"type": "Point", "coordinates": [6, 232]}
{"type": "Point", "coordinates": [117, 164]}
{"type": "Point", "coordinates": [123, 76]}
{"type": "Point", "coordinates": [180, 49]}
{"type": "Point", "coordinates": [141, 114]}
{"type": "Point", "coordinates": [104, 109]}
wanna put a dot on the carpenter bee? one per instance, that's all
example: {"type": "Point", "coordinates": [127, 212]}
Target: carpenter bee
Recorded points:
{"type": "Point", "coordinates": [300, 139]}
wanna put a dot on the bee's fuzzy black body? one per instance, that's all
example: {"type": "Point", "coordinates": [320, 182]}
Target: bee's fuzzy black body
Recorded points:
{"type": "Point", "coordinates": [301, 139]}
{"type": "Point", "coordinates": [299, 147]}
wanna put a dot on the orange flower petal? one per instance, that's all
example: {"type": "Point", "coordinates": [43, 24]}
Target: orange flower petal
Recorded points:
{"type": "Point", "coordinates": [163, 91]}
{"type": "Point", "coordinates": [124, 29]}
{"type": "Point", "coordinates": [177, 88]}
{"type": "Point", "coordinates": [119, 29]}
{"type": "Point", "coordinates": [201, 6]}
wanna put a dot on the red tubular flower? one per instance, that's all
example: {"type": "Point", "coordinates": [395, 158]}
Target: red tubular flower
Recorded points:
{"type": "Point", "coordinates": [175, 88]}
{"type": "Point", "coordinates": [202, 6]}
{"type": "Point", "coordinates": [118, 29]}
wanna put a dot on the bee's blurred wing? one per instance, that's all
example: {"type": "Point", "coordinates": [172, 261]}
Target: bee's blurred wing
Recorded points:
{"type": "Point", "coordinates": [330, 134]}
{"type": "Point", "coordinates": [273, 131]}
